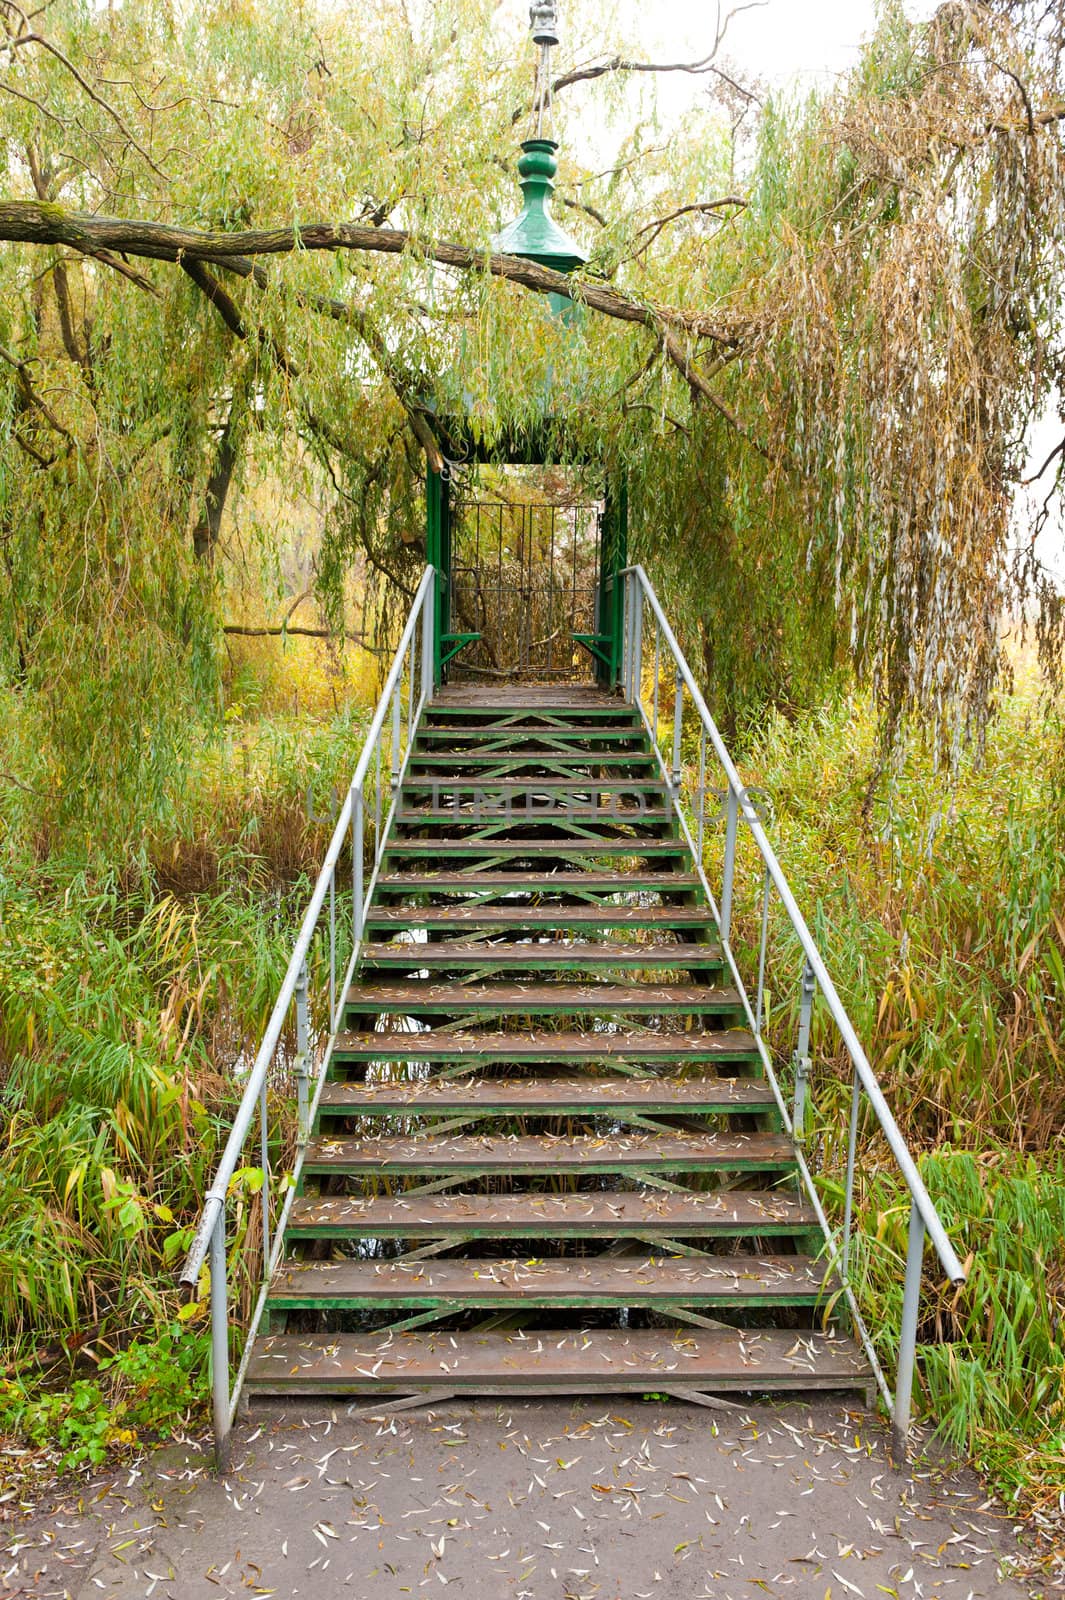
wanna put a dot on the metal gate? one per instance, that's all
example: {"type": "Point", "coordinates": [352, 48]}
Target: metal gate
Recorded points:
{"type": "Point", "coordinates": [524, 576]}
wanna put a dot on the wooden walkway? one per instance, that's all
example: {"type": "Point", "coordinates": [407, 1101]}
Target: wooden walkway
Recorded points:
{"type": "Point", "coordinates": [545, 1158]}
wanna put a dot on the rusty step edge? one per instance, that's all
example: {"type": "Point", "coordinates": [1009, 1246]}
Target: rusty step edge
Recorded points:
{"type": "Point", "coordinates": [521, 738]}
{"type": "Point", "coordinates": [554, 849]}
{"type": "Point", "coordinates": [421, 760]}
{"type": "Point", "coordinates": [635, 1047]}
{"type": "Point", "coordinates": [515, 918]}
{"type": "Point", "coordinates": [536, 786]}
{"type": "Point", "coordinates": [425, 996]}
{"type": "Point", "coordinates": [602, 1212]}
{"type": "Point", "coordinates": [552, 883]}
{"type": "Point", "coordinates": [562, 1282]}
{"type": "Point", "coordinates": [553, 954]}
{"type": "Point", "coordinates": [550, 1096]}
{"type": "Point", "coordinates": [539, 1154]}
{"type": "Point", "coordinates": [544, 815]}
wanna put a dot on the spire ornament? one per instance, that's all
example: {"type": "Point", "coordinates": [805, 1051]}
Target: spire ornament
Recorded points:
{"type": "Point", "coordinates": [535, 235]}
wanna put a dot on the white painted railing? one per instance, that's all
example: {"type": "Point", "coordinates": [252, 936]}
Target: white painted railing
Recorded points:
{"type": "Point", "coordinates": [648, 674]}
{"type": "Point", "coordinates": [364, 820]}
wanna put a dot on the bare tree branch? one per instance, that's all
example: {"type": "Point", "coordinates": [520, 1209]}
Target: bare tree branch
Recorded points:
{"type": "Point", "coordinates": [682, 211]}
{"type": "Point", "coordinates": [707, 66]}
{"type": "Point", "coordinates": [1059, 449]}
{"type": "Point", "coordinates": [283, 629]}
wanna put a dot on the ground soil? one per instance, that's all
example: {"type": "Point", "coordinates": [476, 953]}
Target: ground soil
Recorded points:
{"type": "Point", "coordinates": [551, 1500]}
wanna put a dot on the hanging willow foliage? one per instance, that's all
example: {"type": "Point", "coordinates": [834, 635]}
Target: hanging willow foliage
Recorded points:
{"type": "Point", "coordinates": [816, 353]}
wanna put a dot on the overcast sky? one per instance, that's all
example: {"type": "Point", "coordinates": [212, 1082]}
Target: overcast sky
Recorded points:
{"type": "Point", "coordinates": [779, 41]}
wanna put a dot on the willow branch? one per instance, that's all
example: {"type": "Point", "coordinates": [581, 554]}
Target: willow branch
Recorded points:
{"type": "Point", "coordinates": [31, 396]}
{"type": "Point", "coordinates": [118, 265]}
{"type": "Point", "coordinates": [284, 629]}
{"type": "Point", "coordinates": [29, 222]}
{"type": "Point", "coordinates": [223, 303]}
{"type": "Point", "coordinates": [699, 384]}
{"type": "Point", "coordinates": [682, 211]}
{"type": "Point", "coordinates": [402, 383]}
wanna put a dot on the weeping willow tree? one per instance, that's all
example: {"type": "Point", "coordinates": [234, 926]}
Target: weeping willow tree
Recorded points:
{"type": "Point", "coordinates": [245, 232]}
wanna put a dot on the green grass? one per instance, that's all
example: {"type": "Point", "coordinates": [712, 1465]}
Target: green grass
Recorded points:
{"type": "Point", "coordinates": [941, 912]}
{"type": "Point", "coordinates": [130, 998]}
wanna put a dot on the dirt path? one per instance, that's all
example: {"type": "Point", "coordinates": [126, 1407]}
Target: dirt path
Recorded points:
{"type": "Point", "coordinates": [536, 1501]}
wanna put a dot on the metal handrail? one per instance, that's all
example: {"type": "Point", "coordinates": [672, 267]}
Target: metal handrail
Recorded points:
{"type": "Point", "coordinates": [209, 1243]}
{"type": "Point", "coordinates": [924, 1218]}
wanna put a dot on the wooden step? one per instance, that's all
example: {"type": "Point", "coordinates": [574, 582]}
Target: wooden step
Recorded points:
{"type": "Point", "coordinates": [542, 1154]}
{"type": "Point", "coordinates": [531, 849]}
{"type": "Point", "coordinates": [522, 787]}
{"type": "Point", "coordinates": [594, 705]}
{"type": "Point", "coordinates": [424, 998]}
{"type": "Point", "coordinates": [422, 759]}
{"type": "Point", "coordinates": [553, 955]}
{"type": "Point", "coordinates": [559, 1095]}
{"type": "Point", "coordinates": [602, 717]}
{"type": "Point", "coordinates": [471, 813]}
{"type": "Point", "coordinates": [634, 1046]}
{"type": "Point", "coordinates": [603, 1361]}
{"type": "Point", "coordinates": [591, 1214]}
{"type": "Point", "coordinates": [526, 733]}
{"type": "Point", "coordinates": [578, 1282]}
{"type": "Point", "coordinates": [537, 919]}
{"type": "Point", "coordinates": [573, 881]}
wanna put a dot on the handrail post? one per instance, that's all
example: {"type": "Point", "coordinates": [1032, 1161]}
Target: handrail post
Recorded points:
{"type": "Point", "coordinates": [264, 1192]}
{"type": "Point", "coordinates": [848, 1198]}
{"type": "Point", "coordinates": [625, 635]}
{"type": "Point", "coordinates": [728, 871]}
{"type": "Point", "coordinates": [396, 735]}
{"type": "Point", "coordinates": [702, 797]}
{"type": "Point", "coordinates": [656, 674]}
{"type": "Point", "coordinates": [678, 726]}
{"type": "Point", "coordinates": [357, 807]}
{"type": "Point", "coordinates": [801, 1058]}
{"type": "Point", "coordinates": [219, 1342]}
{"type": "Point", "coordinates": [762, 944]}
{"type": "Point", "coordinates": [428, 666]}
{"type": "Point", "coordinates": [911, 1295]}
{"type": "Point", "coordinates": [303, 1053]}
{"type": "Point", "coordinates": [637, 642]}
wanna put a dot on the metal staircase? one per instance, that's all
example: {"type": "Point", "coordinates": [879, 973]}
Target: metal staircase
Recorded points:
{"type": "Point", "coordinates": [543, 1146]}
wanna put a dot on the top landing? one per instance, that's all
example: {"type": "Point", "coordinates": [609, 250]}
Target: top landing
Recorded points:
{"type": "Point", "coordinates": [524, 697]}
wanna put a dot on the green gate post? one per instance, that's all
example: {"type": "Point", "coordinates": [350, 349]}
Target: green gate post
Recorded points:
{"type": "Point", "coordinates": [438, 554]}
{"type": "Point", "coordinates": [613, 559]}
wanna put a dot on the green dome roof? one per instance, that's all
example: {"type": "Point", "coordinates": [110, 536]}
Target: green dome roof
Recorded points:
{"type": "Point", "coordinates": [535, 234]}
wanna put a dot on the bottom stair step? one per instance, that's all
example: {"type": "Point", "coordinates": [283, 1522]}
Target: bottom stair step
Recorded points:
{"type": "Point", "coordinates": [607, 1361]}
{"type": "Point", "coordinates": [606, 1281]}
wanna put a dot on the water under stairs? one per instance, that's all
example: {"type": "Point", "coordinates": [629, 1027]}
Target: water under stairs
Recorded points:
{"type": "Point", "coordinates": [545, 1158]}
